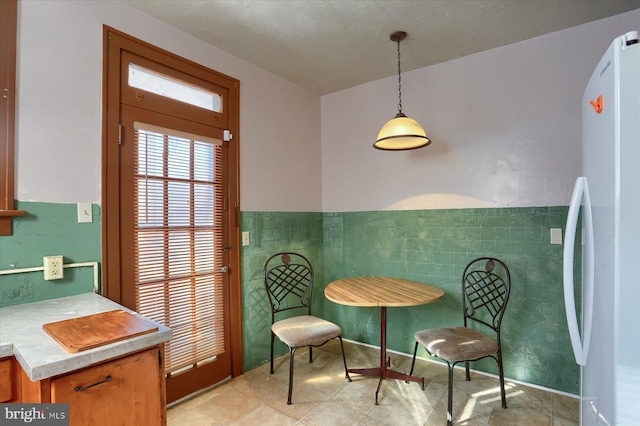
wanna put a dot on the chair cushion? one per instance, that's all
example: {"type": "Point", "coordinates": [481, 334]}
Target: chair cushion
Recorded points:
{"type": "Point", "coordinates": [456, 343]}
{"type": "Point", "coordinates": [305, 330]}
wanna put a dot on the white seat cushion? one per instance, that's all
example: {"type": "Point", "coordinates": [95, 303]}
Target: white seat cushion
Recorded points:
{"type": "Point", "coordinates": [305, 330]}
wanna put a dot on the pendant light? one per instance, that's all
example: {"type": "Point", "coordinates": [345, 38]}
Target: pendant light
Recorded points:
{"type": "Point", "coordinates": [401, 133]}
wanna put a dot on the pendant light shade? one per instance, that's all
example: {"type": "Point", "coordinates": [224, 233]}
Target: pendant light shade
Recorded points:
{"type": "Point", "coordinates": [401, 133]}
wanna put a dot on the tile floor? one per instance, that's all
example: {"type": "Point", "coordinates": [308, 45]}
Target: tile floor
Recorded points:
{"type": "Point", "coordinates": [322, 396]}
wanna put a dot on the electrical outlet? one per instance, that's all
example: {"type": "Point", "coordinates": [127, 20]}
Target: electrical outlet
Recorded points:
{"type": "Point", "coordinates": [556, 236]}
{"type": "Point", "coordinates": [53, 267]}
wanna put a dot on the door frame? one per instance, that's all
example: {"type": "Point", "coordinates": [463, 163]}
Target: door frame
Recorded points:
{"type": "Point", "coordinates": [117, 41]}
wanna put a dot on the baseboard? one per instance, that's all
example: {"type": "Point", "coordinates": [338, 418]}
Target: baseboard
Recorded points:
{"type": "Point", "coordinates": [531, 385]}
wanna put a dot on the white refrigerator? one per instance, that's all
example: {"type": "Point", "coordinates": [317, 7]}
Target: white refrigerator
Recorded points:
{"type": "Point", "coordinates": [605, 326]}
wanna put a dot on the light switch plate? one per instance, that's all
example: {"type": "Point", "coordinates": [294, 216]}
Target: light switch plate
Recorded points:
{"type": "Point", "coordinates": [84, 213]}
{"type": "Point", "coordinates": [245, 238]}
{"type": "Point", "coordinates": [556, 236]}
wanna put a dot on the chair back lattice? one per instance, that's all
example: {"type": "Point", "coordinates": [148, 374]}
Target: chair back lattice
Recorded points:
{"type": "Point", "coordinates": [486, 284]}
{"type": "Point", "coordinates": [288, 279]}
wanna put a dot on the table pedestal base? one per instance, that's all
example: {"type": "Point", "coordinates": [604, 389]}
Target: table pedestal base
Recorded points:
{"type": "Point", "coordinates": [384, 372]}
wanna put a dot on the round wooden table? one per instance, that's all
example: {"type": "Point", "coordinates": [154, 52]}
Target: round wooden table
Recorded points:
{"type": "Point", "coordinates": [382, 292]}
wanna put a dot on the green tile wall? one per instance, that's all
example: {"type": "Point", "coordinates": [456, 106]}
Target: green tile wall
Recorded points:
{"type": "Point", "coordinates": [431, 246]}
{"type": "Point", "coordinates": [48, 229]}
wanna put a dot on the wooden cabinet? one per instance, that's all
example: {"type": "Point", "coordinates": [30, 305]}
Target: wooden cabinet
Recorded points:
{"type": "Point", "coordinates": [9, 380]}
{"type": "Point", "coordinates": [124, 391]}
{"type": "Point", "coordinates": [6, 380]}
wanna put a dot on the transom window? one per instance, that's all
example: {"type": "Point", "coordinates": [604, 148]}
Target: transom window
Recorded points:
{"type": "Point", "coordinates": [163, 85]}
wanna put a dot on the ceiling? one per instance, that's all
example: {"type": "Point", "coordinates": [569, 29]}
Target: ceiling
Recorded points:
{"type": "Point", "coordinates": [327, 45]}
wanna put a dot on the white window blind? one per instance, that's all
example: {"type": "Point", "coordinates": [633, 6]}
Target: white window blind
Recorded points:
{"type": "Point", "coordinates": [178, 229]}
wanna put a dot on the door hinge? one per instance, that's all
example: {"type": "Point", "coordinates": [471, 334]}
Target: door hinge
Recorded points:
{"type": "Point", "coordinates": [237, 213]}
{"type": "Point", "coordinates": [227, 136]}
{"type": "Point", "coordinates": [119, 134]}
{"type": "Point", "coordinates": [225, 204]}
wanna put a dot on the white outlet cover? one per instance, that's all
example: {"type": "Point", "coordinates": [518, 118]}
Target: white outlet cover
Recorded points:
{"type": "Point", "coordinates": [53, 267]}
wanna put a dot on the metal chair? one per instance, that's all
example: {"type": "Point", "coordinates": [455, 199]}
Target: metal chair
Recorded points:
{"type": "Point", "coordinates": [486, 284]}
{"type": "Point", "coordinates": [288, 278]}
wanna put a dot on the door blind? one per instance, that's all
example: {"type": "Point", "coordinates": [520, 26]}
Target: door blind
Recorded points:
{"type": "Point", "coordinates": [178, 236]}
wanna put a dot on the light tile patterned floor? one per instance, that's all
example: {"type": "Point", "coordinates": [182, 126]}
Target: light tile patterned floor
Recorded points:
{"type": "Point", "coordinates": [323, 397]}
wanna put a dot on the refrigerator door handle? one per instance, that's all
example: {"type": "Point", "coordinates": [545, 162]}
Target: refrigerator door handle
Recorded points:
{"type": "Point", "coordinates": [580, 345]}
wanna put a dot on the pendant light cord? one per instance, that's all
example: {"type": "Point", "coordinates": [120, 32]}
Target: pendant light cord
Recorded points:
{"type": "Point", "coordinates": [399, 82]}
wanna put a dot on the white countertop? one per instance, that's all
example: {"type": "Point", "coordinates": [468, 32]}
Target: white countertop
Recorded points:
{"type": "Point", "coordinates": [41, 357]}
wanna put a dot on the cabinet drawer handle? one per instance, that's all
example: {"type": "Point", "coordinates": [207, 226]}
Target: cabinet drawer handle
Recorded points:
{"type": "Point", "coordinates": [80, 389]}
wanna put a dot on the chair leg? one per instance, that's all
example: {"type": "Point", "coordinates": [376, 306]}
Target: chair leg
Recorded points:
{"type": "Point", "coordinates": [292, 351]}
{"type": "Point", "coordinates": [450, 396]}
{"type": "Point", "coordinates": [501, 371]}
{"type": "Point", "coordinates": [413, 361]}
{"type": "Point", "coordinates": [271, 365]}
{"type": "Point", "coordinates": [344, 360]}
{"type": "Point", "coordinates": [310, 354]}
{"type": "Point", "coordinates": [466, 368]}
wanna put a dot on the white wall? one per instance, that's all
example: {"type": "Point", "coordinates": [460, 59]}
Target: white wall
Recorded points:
{"type": "Point", "coordinates": [505, 126]}
{"type": "Point", "coordinates": [59, 109]}
{"type": "Point", "coordinates": [505, 123]}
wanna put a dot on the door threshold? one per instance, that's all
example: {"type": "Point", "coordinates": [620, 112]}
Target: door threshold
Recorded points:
{"type": "Point", "coordinates": [197, 393]}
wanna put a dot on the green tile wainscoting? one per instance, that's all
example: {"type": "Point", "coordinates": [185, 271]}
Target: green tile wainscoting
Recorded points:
{"type": "Point", "coordinates": [430, 246]}
{"type": "Point", "coordinates": [48, 229]}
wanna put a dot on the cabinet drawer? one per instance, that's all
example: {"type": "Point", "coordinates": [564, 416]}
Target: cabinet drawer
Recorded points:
{"type": "Point", "coordinates": [124, 391]}
{"type": "Point", "coordinates": [6, 385]}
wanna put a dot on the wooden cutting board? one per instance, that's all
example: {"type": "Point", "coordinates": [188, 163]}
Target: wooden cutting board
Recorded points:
{"type": "Point", "coordinates": [91, 331]}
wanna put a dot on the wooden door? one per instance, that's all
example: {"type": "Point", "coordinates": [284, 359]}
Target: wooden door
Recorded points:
{"type": "Point", "coordinates": [171, 213]}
